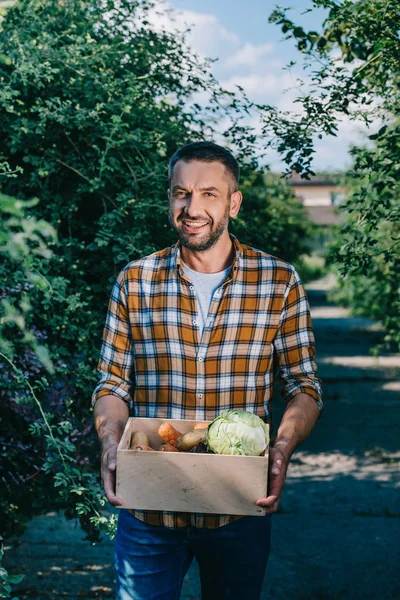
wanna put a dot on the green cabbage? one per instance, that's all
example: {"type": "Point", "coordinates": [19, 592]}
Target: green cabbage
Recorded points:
{"type": "Point", "coordinates": [238, 432]}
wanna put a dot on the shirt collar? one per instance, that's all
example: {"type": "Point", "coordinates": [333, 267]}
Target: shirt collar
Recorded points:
{"type": "Point", "coordinates": [176, 255]}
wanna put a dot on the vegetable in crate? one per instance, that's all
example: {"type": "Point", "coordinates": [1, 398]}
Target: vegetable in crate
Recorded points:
{"type": "Point", "coordinates": [238, 432]}
{"type": "Point", "coordinates": [167, 448]}
{"type": "Point", "coordinates": [199, 448]}
{"type": "Point", "coordinates": [201, 425]}
{"type": "Point", "coordinates": [186, 441]}
{"type": "Point", "coordinates": [168, 433]}
{"type": "Point", "coordinates": [139, 439]}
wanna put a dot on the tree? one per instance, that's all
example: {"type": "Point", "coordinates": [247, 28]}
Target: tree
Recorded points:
{"type": "Point", "coordinates": [353, 67]}
{"type": "Point", "coordinates": [93, 100]}
{"type": "Point", "coordinates": [270, 210]}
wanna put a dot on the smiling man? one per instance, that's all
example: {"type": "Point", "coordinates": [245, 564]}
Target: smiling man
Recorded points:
{"type": "Point", "coordinates": [200, 213]}
{"type": "Point", "coordinates": [191, 330]}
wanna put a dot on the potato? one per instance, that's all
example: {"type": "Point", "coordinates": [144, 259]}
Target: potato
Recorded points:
{"type": "Point", "coordinates": [139, 439]}
{"type": "Point", "coordinates": [186, 441]}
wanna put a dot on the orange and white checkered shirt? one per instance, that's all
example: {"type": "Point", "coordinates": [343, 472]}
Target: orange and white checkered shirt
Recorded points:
{"type": "Point", "coordinates": [154, 359]}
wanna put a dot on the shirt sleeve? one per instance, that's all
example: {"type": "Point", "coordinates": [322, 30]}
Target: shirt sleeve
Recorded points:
{"type": "Point", "coordinates": [295, 347]}
{"type": "Point", "coordinates": [116, 356]}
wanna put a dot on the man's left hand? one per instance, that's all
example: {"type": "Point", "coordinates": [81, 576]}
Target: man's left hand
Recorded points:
{"type": "Point", "coordinates": [278, 464]}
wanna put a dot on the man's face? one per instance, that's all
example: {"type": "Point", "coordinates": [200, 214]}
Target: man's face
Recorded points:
{"type": "Point", "coordinates": [200, 203]}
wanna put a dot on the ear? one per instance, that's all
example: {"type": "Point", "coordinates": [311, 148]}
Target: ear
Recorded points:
{"type": "Point", "coordinates": [236, 201]}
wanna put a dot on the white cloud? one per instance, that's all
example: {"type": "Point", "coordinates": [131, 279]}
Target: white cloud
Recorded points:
{"type": "Point", "coordinates": [207, 36]}
{"type": "Point", "coordinates": [267, 87]}
{"type": "Point", "coordinates": [249, 55]}
{"type": "Point", "coordinates": [207, 33]}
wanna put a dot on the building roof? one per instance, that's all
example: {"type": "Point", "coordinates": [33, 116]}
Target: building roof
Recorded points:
{"type": "Point", "coordinates": [295, 180]}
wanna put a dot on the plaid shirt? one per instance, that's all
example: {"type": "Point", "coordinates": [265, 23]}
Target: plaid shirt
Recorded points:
{"type": "Point", "coordinates": [153, 358]}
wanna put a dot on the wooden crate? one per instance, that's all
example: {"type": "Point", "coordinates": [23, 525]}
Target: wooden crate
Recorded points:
{"type": "Point", "coordinates": [184, 481]}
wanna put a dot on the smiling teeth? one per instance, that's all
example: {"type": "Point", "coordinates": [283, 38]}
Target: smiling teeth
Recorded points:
{"type": "Point", "coordinates": [194, 224]}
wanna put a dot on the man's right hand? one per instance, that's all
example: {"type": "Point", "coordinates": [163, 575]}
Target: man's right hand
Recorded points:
{"type": "Point", "coordinates": [110, 416]}
{"type": "Point", "coordinates": [108, 472]}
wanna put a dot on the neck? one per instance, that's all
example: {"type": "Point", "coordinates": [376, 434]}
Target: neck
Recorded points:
{"type": "Point", "coordinates": [216, 259]}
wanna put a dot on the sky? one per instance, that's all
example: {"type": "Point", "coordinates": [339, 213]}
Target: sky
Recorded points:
{"type": "Point", "coordinates": [252, 53]}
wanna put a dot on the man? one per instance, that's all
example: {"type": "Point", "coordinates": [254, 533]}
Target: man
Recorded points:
{"type": "Point", "coordinates": [192, 330]}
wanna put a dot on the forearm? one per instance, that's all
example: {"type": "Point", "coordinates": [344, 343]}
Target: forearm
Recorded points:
{"type": "Point", "coordinates": [110, 416]}
{"type": "Point", "coordinates": [298, 420]}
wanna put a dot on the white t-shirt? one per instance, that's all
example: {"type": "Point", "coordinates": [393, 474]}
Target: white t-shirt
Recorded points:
{"type": "Point", "coordinates": [205, 285]}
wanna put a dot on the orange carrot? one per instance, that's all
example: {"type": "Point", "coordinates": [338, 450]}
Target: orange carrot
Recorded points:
{"type": "Point", "coordinates": [168, 448]}
{"type": "Point", "coordinates": [201, 425]}
{"type": "Point", "coordinates": [168, 433]}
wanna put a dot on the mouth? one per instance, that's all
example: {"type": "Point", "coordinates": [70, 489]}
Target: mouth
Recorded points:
{"type": "Point", "coordinates": [193, 226]}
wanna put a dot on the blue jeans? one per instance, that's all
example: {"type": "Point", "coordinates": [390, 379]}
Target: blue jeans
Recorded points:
{"type": "Point", "coordinates": [151, 561]}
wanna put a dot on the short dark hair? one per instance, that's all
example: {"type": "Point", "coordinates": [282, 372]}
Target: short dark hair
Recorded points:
{"type": "Point", "coordinates": [206, 152]}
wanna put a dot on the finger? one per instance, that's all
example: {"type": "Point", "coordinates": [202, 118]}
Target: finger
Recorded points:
{"type": "Point", "coordinates": [268, 507]}
{"type": "Point", "coordinates": [109, 488]}
{"type": "Point", "coordinates": [272, 509]}
{"type": "Point", "coordinates": [267, 502]}
{"type": "Point", "coordinates": [108, 475]}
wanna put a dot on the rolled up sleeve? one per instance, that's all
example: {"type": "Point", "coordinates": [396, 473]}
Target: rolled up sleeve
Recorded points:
{"type": "Point", "coordinates": [116, 356]}
{"type": "Point", "coordinates": [295, 346]}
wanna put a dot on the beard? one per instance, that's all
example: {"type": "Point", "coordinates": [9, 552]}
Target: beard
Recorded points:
{"type": "Point", "coordinates": [208, 240]}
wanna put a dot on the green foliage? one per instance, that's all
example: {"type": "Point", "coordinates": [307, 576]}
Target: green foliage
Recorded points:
{"type": "Point", "coordinates": [36, 443]}
{"type": "Point", "coordinates": [367, 250]}
{"type": "Point", "coordinates": [272, 219]}
{"type": "Point", "coordinates": [313, 266]}
{"type": "Point", "coordinates": [354, 72]}
{"type": "Point", "coordinates": [24, 243]}
{"type": "Point", "coordinates": [269, 211]}
{"type": "Point", "coordinates": [6, 580]}
{"type": "Point", "coordinates": [33, 444]}
{"type": "Point", "coordinates": [93, 101]}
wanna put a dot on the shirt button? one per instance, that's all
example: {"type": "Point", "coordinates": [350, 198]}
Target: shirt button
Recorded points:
{"type": "Point", "coordinates": [201, 358]}
{"type": "Point", "coordinates": [199, 395]}
{"type": "Point", "coordinates": [194, 322]}
{"type": "Point", "coordinates": [191, 287]}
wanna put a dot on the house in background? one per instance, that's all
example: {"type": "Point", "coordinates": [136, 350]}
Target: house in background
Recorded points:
{"type": "Point", "coordinates": [320, 195]}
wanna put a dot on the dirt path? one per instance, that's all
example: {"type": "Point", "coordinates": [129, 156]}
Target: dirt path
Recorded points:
{"type": "Point", "coordinates": [337, 535]}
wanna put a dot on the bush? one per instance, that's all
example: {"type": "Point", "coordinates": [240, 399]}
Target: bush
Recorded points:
{"type": "Point", "coordinates": [353, 63]}
{"type": "Point", "coordinates": [92, 103]}
{"type": "Point", "coordinates": [271, 218]}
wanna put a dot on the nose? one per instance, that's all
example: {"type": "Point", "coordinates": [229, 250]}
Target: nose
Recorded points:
{"type": "Point", "coordinates": [194, 205]}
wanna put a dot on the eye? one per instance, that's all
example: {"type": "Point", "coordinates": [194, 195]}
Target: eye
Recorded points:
{"type": "Point", "coordinates": [210, 194]}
